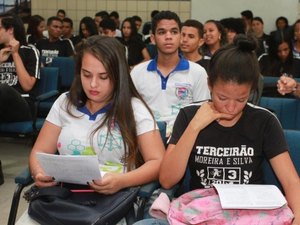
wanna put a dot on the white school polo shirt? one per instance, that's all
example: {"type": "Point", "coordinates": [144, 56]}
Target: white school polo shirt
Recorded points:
{"type": "Point", "coordinates": [166, 95]}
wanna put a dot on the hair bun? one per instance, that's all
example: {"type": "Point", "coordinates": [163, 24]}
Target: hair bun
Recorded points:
{"type": "Point", "coordinates": [245, 43]}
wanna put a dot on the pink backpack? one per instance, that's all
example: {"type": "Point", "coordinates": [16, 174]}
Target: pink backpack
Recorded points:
{"type": "Point", "coordinates": [203, 206]}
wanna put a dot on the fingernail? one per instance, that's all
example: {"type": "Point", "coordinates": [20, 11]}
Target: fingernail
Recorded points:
{"type": "Point", "coordinates": [87, 183]}
{"type": "Point", "coordinates": [93, 181]}
{"type": "Point", "coordinates": [53, 178]}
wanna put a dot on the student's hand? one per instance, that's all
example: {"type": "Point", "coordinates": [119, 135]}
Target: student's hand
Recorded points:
{"type": "Point", "coordinates": [14, 45]}
{"type": "Point", "coordinates": [286, 85]}
{"type": "Point", "coordinates": [206, 114]}
{"type": "Point", "coordinates": [4, 54]}
{"type": "Point", "coordinates": [42, 180]}
{"type": "Point", "coordinates": [110, 183]}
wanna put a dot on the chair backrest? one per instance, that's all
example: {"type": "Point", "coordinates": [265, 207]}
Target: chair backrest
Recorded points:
{"type": "Point", "coordinates": [66, 66]}
{"type": "Point", "coordinates": [48, 79]}
{"type": "Point", "coordinates": [286, 109]}
{"type": "Point", "coordinates": [292, 138]}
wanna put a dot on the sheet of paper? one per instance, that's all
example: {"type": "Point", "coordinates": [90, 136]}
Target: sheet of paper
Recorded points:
{"type": "Point", "coordinates": [233, 196]}
{"type": "Point", "coordinates": [70, 168]}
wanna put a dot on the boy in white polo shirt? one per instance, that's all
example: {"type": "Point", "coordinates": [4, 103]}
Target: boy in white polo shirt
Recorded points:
{"type": "Point", "coordinates": [169, 82]}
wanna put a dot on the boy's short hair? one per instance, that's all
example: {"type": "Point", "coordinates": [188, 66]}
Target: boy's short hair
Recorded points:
{"type": "Point", "coordinates": [165, 15]}
{"type": "Point", "coordinates": [108, 23]}
{"type": "Point", "coordinates": [68, 20]}
{"type": "Point", "coordinates": [53, 18]}
{"type": "Point", "coordinates": [196, 24]}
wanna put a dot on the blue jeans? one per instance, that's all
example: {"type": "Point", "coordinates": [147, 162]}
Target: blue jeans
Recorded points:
{"type": "Point", "coordinates": [152, 222]}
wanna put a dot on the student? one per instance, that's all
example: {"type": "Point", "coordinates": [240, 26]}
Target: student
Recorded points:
{"type": "Point", "coordinates": [87, 27]}
{"type": "Point", "coordinates": [296, 41]}
{"type": "Point", "coordinates": [102, 115]}
{"type": "Point", "coordinates": [137, 51]}
{"type": "Point", "coordinates": [206, 129]}
{"type": "Point", "coordinates": [233, 26]}
{"type": "Point", "coordinates": [262, 38]}
{"type": "Point", "coordinates": [108, 27]}
{"type": "Point", "coordinates": [19, 71]}
{"type": "Point", "coordinates": [54, 46]}
{"type": "Point", "coordinates": [191, 41]}
{"type": "Point", "coordinates": [247, 17]}
{"type": "Point", "coordinates": [99, 16]}
{"type": "Point", "coordinates": [169, 81]}
{"type": "Point", "coordinates": [67, 31]}
{"type": "Point", "coordinates": [61, 14]}
{"type": "Point", "coordinates": [214, 38]}
{"type": "Point", "coordinates": [36, 27]}
{"type": "Point", "coordinates": [286, 85]}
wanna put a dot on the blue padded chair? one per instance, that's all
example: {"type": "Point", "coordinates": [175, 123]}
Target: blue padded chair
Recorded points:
{"type": "Point", "coordinates": [24, 179]}
{"type": "Point", "coordinates": [66, 66]}
{"type": "Point", "coordinates": [287, 110]}
{"type": "Point", "coordinates": [47, 88]}
{"type": "Point", "coordinates": [292, 138]}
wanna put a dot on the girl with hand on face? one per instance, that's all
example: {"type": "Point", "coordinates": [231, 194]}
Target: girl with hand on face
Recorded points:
{"type": "Point", "coordinates": [102, 115]}
{"type": "Point", "coordinates": [211, 130]}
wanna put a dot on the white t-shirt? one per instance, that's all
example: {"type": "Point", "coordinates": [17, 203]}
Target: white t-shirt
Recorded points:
{"type": "Point", "coordinates": [75, 136]}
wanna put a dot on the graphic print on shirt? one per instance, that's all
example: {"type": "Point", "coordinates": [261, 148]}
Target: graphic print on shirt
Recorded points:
{"type": "Point", "coordinates": [223, 164]}
{"type": "Point", "coordinates": [8, 74]}
{"type": "Point", "coordinates": [111, 142]}
{"type": "Point", "coordinates": [77, 148]}
{"type": "Point", "coordinates": [48, 55]}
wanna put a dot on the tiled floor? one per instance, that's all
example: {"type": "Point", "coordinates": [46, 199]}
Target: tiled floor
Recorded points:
{"type": "Point", "coordinates": [14, 156]}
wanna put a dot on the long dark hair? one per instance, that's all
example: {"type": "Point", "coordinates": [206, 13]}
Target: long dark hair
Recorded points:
{"type": "Point", "coordinates": [16, 23]}
{"type": "Point", "coordinates": [110, 52]}
{"type": "Point", "coordinates": [90, 26]}
{"type": "Point", "coordinates": [33, 24]}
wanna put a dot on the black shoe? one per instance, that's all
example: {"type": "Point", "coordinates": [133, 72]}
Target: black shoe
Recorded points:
{"type": "Point", "coordinates": [1, 174]}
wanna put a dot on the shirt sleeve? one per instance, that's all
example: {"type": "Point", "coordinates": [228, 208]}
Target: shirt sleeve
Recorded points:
{"type": "Point", "coordinates": [143, 118]}
{"type": "Point", "coordinates": [274, 142]}
{"type": "Point", "coordinates": [55, 115]}
{"type": "Point", "coordinates": [179, 127]}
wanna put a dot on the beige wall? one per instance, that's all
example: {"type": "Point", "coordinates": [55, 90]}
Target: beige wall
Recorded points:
{"type": "Point", "coordinates": [77, 9]}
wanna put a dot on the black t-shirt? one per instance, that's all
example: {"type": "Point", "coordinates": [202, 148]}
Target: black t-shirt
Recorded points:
{"type": "Point", "coordinates": [231, 154]}
{"type": "Point", "coordinates": [50, 50]}
{"type": "Point", "coordinates": [135, 46]}
{"type": "Point", "coordinates": [30, 59]}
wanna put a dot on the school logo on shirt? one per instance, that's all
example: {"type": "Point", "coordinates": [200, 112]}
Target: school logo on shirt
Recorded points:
{"type": "Point", "coordinates": [183, 91]}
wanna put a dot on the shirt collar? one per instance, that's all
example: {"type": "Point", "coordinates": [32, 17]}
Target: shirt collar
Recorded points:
{"type": "Point", "coordinates": [85, 110]}
{"type": "Point", "coordinates": [182, 65]}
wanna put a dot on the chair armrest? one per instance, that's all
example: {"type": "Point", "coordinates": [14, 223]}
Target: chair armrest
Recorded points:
{"type": "Point", "coordinates": [24, 178]}
{"type": "Point", "coordinates": [47, 95]}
